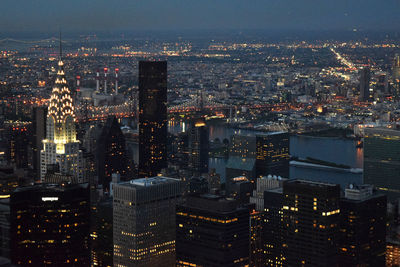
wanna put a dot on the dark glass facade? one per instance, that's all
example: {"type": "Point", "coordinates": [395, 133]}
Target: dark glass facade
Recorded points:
{"type": "Point", "coordinates": [363, 231]}
{"type": "Point", "coordinates": [382, 160]}
{"type": "Point", "coordinates": [212, 231]}
{"type": "Point", "coordinates": [365, 77]}
{"type": "Point", "coordinates": [39, 116]}
{"type": "Point", "coordinates": [272, 154]}
{"type": "Point", "coordinates": [311, 217]}
{"type": "Point", "coordinates": [111, 153]}
{"type": "Point", "coordinates": [198, 146]}
{"type": "Point", "coordinates": [152, 117]}
{"type": "Point", "coordinates": [50, 225]}
{"type": "Point", "coordinates": [272, 235]}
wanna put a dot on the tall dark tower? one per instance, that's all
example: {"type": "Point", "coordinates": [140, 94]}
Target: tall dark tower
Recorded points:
{"type": "Point", "coordinates": [198, 146]}
{"type": "Point", "coordinates": [365, 77]}
{"type": "Point", "coordinates": [111, 152]}
{"type": "Point", "coordinates": [396, 67]}
{"type": "Point", "coordinates": [50, 225]}
{"type": "Point", "coordinates": [39, 133]}
{"type": "Point", "coordinates": [311, 223]}
{"type": "Point", "coordinates": [152, 117]}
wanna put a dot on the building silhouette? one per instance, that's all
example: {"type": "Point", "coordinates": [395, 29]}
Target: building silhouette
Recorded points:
{"type": "Point", "coordinates": [363, 227]}
{"type": "Point", "coordinates": [266, 222]}
{"type": "Point", "coordinates": [111, 153]}
{"type": "Point", "coordinates": [212, 231]}
{"type": "Point", "coordinates": [396, 68]}
{"type": "Point", "coordinates": [382, 160]}
{"type": "Point", "coordinates": [39, 116]}
{"type": "Point", "coordinates": [198, 146]}
{"type": "Point", "coordinates": [50, 225]}
{"type": "Point", "coordinates": [272, 154]}
{"type": "Point", "coordinates": [19, 147]}
{"type": "Point", "coordinates": [152, 117]}
{"type": "Point", "coordinates": [365, 93]}
{"type": "Point", "coordinates": [311, 217]}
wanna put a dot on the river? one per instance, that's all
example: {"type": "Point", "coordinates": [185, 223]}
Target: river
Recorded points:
{"type": "Point", "coordinates": [337, 150]}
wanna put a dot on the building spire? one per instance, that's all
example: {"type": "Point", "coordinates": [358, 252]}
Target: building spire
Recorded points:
{"type": "Point", "coordinates": [60, 46]}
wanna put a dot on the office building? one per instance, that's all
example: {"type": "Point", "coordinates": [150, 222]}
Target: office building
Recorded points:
{"type": "Point", "coordinates": [152, 117]}
{"type": "Point", "coordinates": [265, 224]}
{"type": "Point", "coordinates": [101, 234]}
{"type": "Point", "coordinates": [243, 146]}
{"type": "Point", "coordinates": [212, 231]}
{"type": "Point", "coordinates": [256, 243]}
{"type": "Point", "coordinates": [5, 227]}
{"type": "Point", "coordinates": [144, 221]}
{"type": "Point", "coordinates": [111, 153]}
{"type": "Point", "coordinates": [273, 228]}
{"type": "Point", "coordinates": [18, 146]}
{"type": "Point", "coordinates": [198, 146]}
{"type": "Point", "coordinates": [396, 68]}
{"type": "Point", "coordinates": [265, 183]}
{"type": "Point", "coordinates": [393, 253]}
{"type": "Point", "coordinates": [39, 116]}
{"type": "Point", "coordinates": [311, 217]}
{"type": "Point", "coordinates": [272, 154]}
{"type": "Point", "coordinates": [240, 188]}
{"type": "Point", "coordinates": [366, 93]}
{"type": "Point", "coordinates": [382, 160]}
{"type": "Point", "coordinates": [61, 146]}
{"type": "Point", "coordinates": [50, 225]}
{"type": "Point", "coordinates": [363, 227]}
{"type": "Point", "coordinates": [382, 83]}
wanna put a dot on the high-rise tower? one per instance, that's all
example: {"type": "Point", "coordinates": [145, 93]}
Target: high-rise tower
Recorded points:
{"type": "Point", "coordinates": [198, 146]}
{"type": "Point", "coordinates": [396, 67]}
{"type": "Point", "coordinates": [61, 147]}
{"type": "Point", "coordinates": [365, 92]}
{"type": "Point", "coordinates": [152, 117]}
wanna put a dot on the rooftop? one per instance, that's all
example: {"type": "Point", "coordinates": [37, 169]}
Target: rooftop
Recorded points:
{"type": "Point", "coordinates": [312, 183]}
{"type": "Point", "coordinates": [157, 180]}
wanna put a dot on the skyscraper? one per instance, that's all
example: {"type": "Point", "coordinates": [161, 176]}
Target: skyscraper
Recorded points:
{"type": "Point", "coordinates": [39, 133]}
{"type": "Point", "coordinates": [152, 117]}
{"type": "Point", "coordinates": [111, 153]}
{"type": "Point", "coordinates": [144, 221]}
{"type": "Point", "coordinates": [212, 231]}
{"type": "Point", "coordinates": [61, 146]}
{"type": "Point", "coordinates": [266, 223]}
{"type": "Point", "coordinates": [365, 76]}
{"type": "Point", "coordinates": [273, 228]}
{"type": "Point", "coordinates": [362, 228]}
{"type": "Point", "coordinates": [311, 217]}
{"type": "Point", "coordinates": [198, 146]}
{"type": "Point", "coordinates": [272, 154]}
{"type": "Point", "coordinates": [18, 146]}
{"type": "Point", "coordinates": [396, 68]}
{"type": "Point", "coordinates": [50, 225]}
{"type": "Point", "coordinates": [382, 160]}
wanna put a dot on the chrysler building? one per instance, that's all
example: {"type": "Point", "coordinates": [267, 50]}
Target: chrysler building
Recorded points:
{"type": "Point", "coordinates": [60, 146]}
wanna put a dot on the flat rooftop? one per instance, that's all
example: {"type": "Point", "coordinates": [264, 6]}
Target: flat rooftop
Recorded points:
{"type": "Point", "coordinates": [156, 180]}
{"type": "Point", "coordinates": [312, 183]}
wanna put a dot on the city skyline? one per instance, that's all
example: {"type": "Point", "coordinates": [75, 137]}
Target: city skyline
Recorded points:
{"type": "Point", "coordinates": [217, 134]}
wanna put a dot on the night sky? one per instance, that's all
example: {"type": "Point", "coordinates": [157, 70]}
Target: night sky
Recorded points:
{"type": "Point", "coordinates": [94, 15]}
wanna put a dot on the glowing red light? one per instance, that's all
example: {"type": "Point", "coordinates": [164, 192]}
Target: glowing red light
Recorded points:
{"type": "Point", "coordinates": [105, 69]}
{"type": "Point", "coordinates": [117, 69]}
{"type": "Point", "coordinates": [78, 77]}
